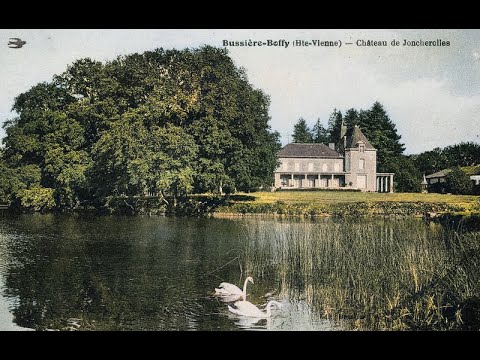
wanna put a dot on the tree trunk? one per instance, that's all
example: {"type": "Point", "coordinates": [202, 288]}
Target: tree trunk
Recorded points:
{"type": "Point", "coordinates": [220, 187]}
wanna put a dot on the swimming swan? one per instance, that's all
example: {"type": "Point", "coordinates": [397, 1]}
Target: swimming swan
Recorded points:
{"type": "Point", "coordinates": [246, 308]}
{"type": "Point", "coordinates": [232, 291]}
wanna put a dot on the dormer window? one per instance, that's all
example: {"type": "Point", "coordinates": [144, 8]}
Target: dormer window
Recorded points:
{"type": "Point", "coordinates": [361, 147]}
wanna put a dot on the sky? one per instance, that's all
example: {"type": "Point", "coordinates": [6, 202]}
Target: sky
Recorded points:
{"type": "Point", "coordinates": [431, 93]}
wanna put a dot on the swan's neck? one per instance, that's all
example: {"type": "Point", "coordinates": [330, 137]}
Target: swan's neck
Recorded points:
{"type": "Point", "coordinates": [245, 289]}
{"type": "Point", "coordinates": [269, 309]}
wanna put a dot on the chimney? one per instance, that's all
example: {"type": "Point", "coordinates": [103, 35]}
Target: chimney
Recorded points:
{"type": "Point", "coordinates": [331, 146]}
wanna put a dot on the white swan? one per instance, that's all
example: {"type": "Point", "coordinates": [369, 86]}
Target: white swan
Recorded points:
{"type": "Point", "coordinates": [233, 292]}
{"type": "Point", "coordinates": [246, 308]}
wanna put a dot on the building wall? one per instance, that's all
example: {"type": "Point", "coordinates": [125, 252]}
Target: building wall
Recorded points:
{"type": "Point", "coordinates": [307, 166]}
{"type": "Point", "coordinates": [352, 167]}
{"type": "Point", "coordinates": [476, 179]}
{"type": "Point", "coordinates": [310, 165]}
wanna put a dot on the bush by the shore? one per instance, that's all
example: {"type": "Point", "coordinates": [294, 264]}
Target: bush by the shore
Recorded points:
{"type": "Point", "coordinates": [340, 209]}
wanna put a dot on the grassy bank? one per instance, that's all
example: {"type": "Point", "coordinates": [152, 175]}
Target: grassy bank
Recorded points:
{"type": "Point", "coordinates": [336, 203]}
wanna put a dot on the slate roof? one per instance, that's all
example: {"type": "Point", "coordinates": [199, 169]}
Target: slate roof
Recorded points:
{"type": "Point", "coordinates": [469, 170]}
{"type": "Point", "coordinates": [439, 174]}
{"type": "Point", "coordinates": [308, 151]}
{"type": "Point", "coordinates": [354, 135]}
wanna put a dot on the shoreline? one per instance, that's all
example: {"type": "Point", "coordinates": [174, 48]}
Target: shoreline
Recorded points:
{"type": "Point", "coordinates": [313, 204]}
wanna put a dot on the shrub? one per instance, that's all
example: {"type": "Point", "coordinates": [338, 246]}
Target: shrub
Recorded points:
{"type": "Point", "coordinates": [457, 182]}
{"type": "Point", "coordinates": [36, 199]}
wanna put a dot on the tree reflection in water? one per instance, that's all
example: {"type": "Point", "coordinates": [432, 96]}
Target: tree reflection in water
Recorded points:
{"type": "Point", "coordinates": [154, 273]}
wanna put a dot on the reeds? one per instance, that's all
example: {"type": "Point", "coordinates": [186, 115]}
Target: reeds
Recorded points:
{"type": "Point", "coordinates": [377, 274]}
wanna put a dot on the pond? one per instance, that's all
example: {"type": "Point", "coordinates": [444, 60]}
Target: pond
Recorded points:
{"type": "Point", "coordinates": [71, 272]}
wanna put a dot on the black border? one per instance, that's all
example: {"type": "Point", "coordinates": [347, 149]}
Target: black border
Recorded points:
{"type": "Point", "coordinates": [201, 15]}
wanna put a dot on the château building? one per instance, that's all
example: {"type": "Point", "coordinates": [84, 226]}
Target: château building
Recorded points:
{"type": "Point", "coordinates": [350, 164]}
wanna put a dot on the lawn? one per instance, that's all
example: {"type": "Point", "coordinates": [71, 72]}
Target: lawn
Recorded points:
{"type": "Point", "coordinates": [328, 197]}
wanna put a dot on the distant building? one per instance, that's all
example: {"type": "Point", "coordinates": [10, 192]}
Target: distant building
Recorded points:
{"type": "Point", "coordinates": [437, 181]}
{"type": "Point", "coordinates": [351, 163]}
{"type": "Point", "coordinates": [438, 177]}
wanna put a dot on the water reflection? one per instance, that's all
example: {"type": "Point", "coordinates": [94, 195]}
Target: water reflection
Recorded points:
{"type": "Point", "coordinates": [293, 316]}
{"type": "Point", "coordinates": [110, 273]}
{"type": "Point", "coordinates": [141, 273]}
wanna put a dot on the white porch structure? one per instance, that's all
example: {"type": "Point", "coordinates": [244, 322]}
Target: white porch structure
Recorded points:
{"type": "Point", "coordinates": [309, 180]}
{"type": "Point", "coordinates": [385, 182]}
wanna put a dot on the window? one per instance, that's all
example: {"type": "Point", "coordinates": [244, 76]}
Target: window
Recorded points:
{"type": "Point", "coordinates": [297, 166]}
{"type": "Point", "coordinates": [336, 167]}
{"type": "Point", "coordinates": [324, 167]}
{"type": "Point", "coordinates": [361, 147]}
{"type": "Point", "coordinates": [310, 166]}
{"type": "Point", "coordinates": [285, 179]}
{"type": "Point", "coordinates": [361, 164]}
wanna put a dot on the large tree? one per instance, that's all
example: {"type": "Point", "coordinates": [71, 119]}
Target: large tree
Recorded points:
{"type": "Point", "coordinates": [165, 121]}
{"type": "Point", "coordinates": [382, 133]}
{"type": "Point", "coordinates": [319, 133]}
{"type": "Point", "coordinates": [351, 118]}
{"type": "Point", "coordinates": [334, 128]}
{"type": "Point", "coordinates": [431, 161]}
{"type": "Point", "coordinates": [301, 132]}
{"type": "Point", "coordinates": [457, 182]}
{"type": "Point", "coordinates": [462, 154]}
{"type": "Point", "coordinates": [407, 177]}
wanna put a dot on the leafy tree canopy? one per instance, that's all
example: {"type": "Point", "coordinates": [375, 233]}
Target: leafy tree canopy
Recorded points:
{"type": "Point", "coordinates": [462, 154]}
{"type": "Point", "coordinates": [164, 122]}
{"type": "Point", "coordinates": [458, 182]}
{"type": "Point", "coordinates": [319, 133]}
{"type": "Point", "coordinates": [301, 132]}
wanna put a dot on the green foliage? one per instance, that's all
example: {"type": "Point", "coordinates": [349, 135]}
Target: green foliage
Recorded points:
{"type": "Point", "coordinates": [372, 275]}
{"type": "Point", "coordinates": [430, 162]}
{"type": "Point", "coordinates": [378, 129]}
{"type": "Point", "coordinates": [301, 132]}
{"type": "Point", "coordinates": [334, 126]}
{"type": "Point", "coordinates": [165, 122]}
{"type": "Point", "coordinates": [407, 178]}
{"type": "Point", "coordinates": [338, 209]}
{"type": "Point", "coordinates": [36, 199]}
{"type": "Point", "coordinates": [14, 181]}
{"type": "Point", "coordinates": [351, 118]}
{"type": "Point", "coordinates": [462, 154]}
{"type": "Point", "coordinates": [457, 182]}
{"type": "Point", "coordinates": [382, 134]}
{"type": "Point", "coordinates": [319, 133]}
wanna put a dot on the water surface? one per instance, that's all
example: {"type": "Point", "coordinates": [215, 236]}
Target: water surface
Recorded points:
{"type": "Point", "coordinates": [67, 272]}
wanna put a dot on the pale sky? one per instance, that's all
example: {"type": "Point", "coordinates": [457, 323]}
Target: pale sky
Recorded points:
{"type": "Point", "coordinates": [431, 93]}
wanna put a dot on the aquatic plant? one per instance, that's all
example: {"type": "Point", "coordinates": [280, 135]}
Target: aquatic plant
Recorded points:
{"type": "Point", "coordinates": [374, 275]}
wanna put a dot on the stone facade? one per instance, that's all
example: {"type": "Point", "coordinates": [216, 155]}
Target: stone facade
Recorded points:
{"type": "Point", "coordinates": [351, 163]}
